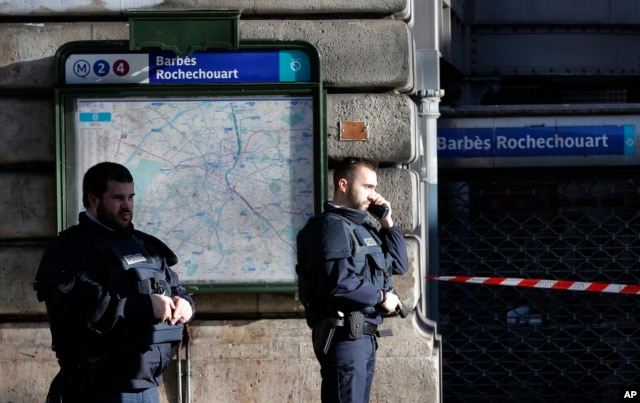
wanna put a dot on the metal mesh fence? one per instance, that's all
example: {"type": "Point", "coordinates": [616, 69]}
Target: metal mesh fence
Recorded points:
{"type": "Point", "coordinates": [524, 344]}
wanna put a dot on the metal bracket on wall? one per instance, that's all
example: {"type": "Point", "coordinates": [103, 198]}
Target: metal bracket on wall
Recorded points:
{"type": "Point", "coordinates": [184, 32]}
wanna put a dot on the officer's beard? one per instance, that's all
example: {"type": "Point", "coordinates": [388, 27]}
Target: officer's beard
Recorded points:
{"type": "Point", "coordinates": [109, 220]}
{"type": "Point", "coordinates": [353, 201]}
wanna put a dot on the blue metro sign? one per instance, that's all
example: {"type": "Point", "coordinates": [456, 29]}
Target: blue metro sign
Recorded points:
{"type": "Point", "coordinates": [221, 67]}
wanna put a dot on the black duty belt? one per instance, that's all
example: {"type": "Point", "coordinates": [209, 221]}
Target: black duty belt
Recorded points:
{"type": "Point", "coordinates": [372, 330]}
{"type": "Point", "coordinates": [355, 325]}
{"type": "Point", "coordinates": [369, 329]}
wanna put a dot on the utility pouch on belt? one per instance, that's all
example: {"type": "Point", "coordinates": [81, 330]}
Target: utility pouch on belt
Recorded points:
{"type": "Point", "coordinates": [166, 333]}
{"type": "Point", "coordinates": [356, 325]}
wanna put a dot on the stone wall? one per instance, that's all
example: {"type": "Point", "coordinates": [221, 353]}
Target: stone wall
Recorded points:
{"type": "Point", "coordinates": [245, 347]}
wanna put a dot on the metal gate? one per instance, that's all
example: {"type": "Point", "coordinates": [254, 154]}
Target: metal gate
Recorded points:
{"type": "Point", "coordinates": [523, 344]}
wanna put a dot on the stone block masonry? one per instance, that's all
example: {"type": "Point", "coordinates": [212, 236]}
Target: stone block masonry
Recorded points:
{"type": "Point", "coordinates": [246, 347]}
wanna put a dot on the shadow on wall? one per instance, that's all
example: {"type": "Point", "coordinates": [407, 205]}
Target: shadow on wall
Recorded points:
{"type": "Point", "coordinates": [31, 75]}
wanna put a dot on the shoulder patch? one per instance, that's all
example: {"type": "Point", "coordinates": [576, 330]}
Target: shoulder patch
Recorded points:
{"type": "Point", "coordinates": [68, 286]}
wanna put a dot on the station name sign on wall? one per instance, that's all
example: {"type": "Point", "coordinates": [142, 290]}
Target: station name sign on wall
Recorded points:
{"type": "Point", "coordinates": [536, 141]}
{"type": "Point", "coordinates": [259, 66]}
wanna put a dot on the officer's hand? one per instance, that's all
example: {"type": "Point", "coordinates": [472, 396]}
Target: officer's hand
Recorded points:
{"type": "Point", "coordinates": [392, 302]}
{"type": "Point", "coordinates": [162, 307]}
{"type": "Point", "coordinates": [386, 222]}
{"type": "Point", "coordinates": [182, 312]}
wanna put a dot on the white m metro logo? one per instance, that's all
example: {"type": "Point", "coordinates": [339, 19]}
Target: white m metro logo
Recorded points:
{"type": "Point", "coordinates": [81, 68]}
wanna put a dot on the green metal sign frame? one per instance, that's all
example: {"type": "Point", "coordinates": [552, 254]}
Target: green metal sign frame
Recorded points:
{"type": "Point", "coordinates": [165, 95]}
{"type": "Point", "coordinates": [185, 32]}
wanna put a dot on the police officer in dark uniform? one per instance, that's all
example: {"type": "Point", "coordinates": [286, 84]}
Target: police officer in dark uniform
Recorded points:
{"type": "Point", "coordinates": [345, 263]}
{"type": "Point", "coordinates": [114, 306]}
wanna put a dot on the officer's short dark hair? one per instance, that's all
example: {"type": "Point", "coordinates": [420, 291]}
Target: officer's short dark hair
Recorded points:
{"type": "Point", "coordinates": [96, 178]}
{"type": "Point", "coordinates": [347, 168]}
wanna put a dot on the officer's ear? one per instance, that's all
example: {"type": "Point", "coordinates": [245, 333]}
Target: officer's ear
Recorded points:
{"type": "Point", "coordinates": [343, 184]}
{"type": "Point", "coordinates": [93, 200]}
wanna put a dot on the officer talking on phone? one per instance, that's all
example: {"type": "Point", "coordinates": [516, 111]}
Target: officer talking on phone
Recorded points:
{"type": "Point", "coordinates": [345, 264]}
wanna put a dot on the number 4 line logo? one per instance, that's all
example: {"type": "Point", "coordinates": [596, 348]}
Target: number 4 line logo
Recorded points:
{"type": "Point", "coordinates": [121, 67]}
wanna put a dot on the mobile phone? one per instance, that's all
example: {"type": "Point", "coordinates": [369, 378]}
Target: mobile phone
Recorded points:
{"type": "Point", "coordinates": [378, 210]}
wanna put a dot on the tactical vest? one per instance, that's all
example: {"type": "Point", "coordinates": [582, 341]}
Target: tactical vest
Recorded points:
{"type": "Point", "coordinates": [142, 272]}
{"type": "Point", "coordinates": [370, 262]}
{"type": "Point", "coordinates": [147, 278]}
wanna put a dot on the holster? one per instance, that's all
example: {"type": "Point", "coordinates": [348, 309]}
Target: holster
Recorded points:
{"type": "Point", "coordinates": [323, 334]}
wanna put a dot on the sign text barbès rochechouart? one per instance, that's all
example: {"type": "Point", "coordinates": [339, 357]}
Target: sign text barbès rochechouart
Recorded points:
{"type": "Point", "coordinates": [536, 141]}
{"type": "Point", "coordinates": [219, 67]}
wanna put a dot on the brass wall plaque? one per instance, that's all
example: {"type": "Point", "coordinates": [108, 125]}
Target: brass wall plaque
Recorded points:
{"type": "Point", "coordinates": [353, 131]}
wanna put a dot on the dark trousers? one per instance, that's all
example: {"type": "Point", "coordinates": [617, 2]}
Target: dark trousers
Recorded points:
{"type": "Point", "coordinates": [78, 387]}
{"type": "Point", "coordinates": [347, 369]}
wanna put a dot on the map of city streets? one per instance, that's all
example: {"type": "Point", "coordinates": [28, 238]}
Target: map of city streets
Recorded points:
{"type": "Point", "coordinates": [226, 183]}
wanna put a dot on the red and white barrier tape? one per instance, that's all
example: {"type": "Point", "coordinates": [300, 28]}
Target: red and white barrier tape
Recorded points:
{"type": "Point", "coordinates": [539, 283]}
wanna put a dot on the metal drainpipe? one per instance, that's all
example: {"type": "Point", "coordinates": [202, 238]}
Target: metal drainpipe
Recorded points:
{"type": "Point", "coordinates": [184, 394]}
{"type": "Point", "coordinates": [428, 112]}
{"type": "Point", "coordinates": [427, 166]}
{"type": "Point", "coordinates": [188, 368]}
{"type": "Point", "coordinates": [427, 97]}
{"type": "Point", "coordinates": [179, 370]}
